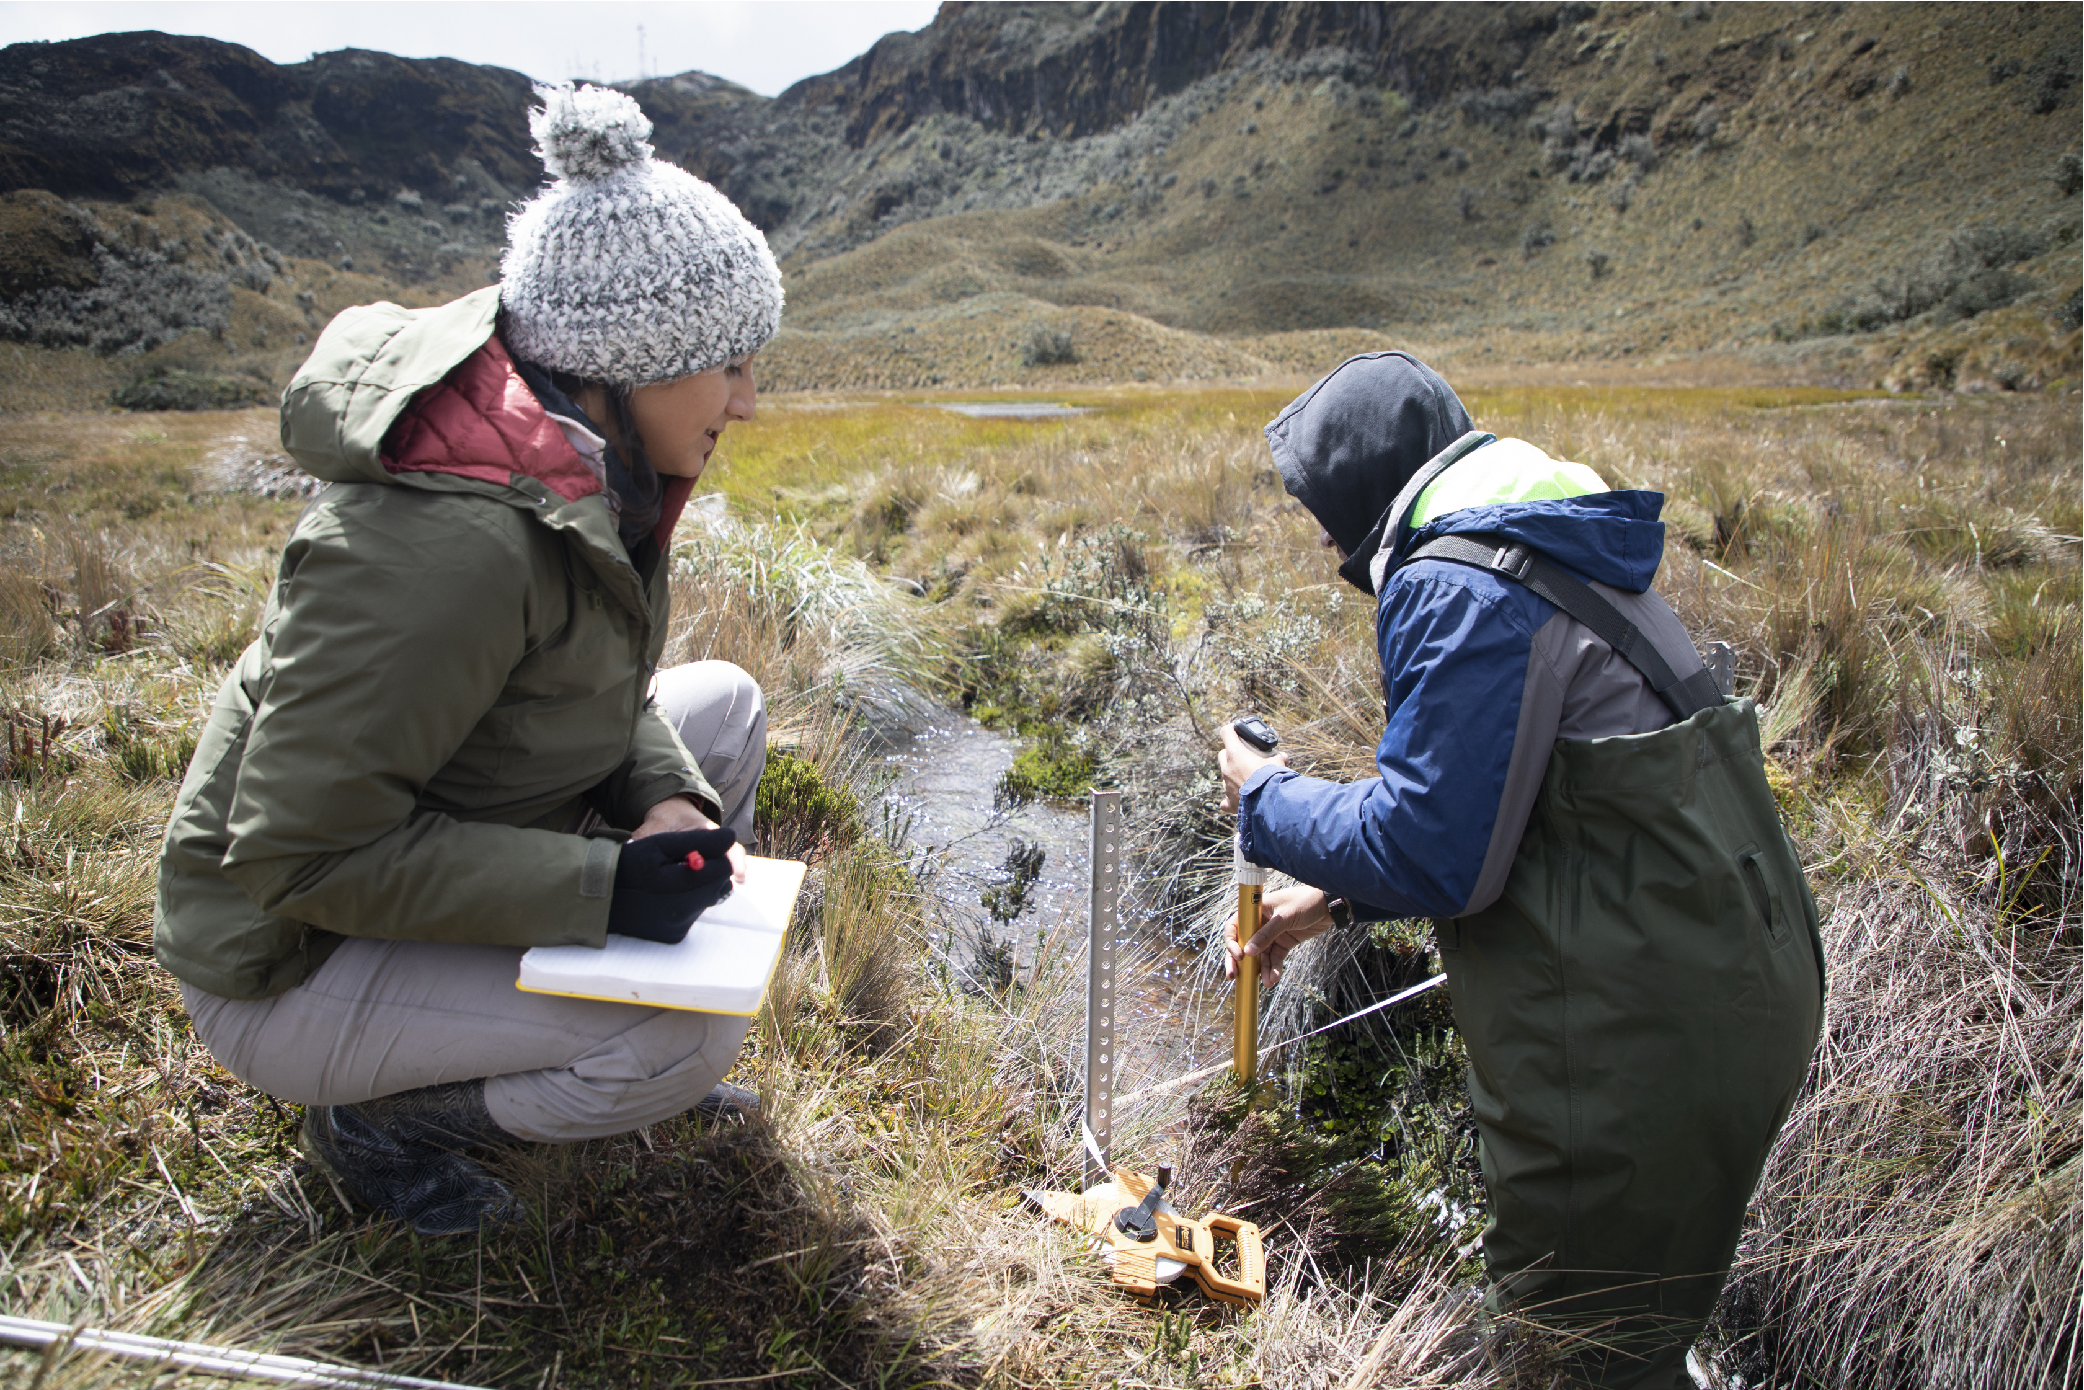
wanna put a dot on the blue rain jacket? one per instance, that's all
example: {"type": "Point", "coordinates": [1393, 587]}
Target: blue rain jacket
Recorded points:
{"type": "Point", "coordinates": [1454, 643]}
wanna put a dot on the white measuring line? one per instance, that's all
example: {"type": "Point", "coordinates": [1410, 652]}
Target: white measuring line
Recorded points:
{"type": "Point", "coordinates": [229, 1362]}
{"type": "Point", "coordinates": [1270, 1048]}
{"type": "Point", "coordinates": [1092, 1149]}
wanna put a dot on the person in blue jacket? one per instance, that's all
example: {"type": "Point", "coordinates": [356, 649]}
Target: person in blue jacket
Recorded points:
{"type": "Point", "coordinates": [1613, 892]}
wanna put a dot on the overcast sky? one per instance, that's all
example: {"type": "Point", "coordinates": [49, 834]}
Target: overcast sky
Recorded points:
{"type": "Point", "coordinates": [762, 44]}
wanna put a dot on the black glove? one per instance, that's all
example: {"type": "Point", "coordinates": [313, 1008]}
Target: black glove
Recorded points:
{"type": "Point", "coordinates": [659, 892]}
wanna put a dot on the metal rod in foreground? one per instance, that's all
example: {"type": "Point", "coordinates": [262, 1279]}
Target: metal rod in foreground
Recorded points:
{"type": "Point", "coordinates": [228, 1362]}
{"type": "Point", "coordinates": [1103, 932]}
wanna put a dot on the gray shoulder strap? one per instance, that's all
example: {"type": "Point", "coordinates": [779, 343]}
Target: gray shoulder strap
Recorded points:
{"type": "Point", "coordinates": [1516, 562]}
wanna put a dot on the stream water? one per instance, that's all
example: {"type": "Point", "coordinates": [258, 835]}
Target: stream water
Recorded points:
{"type": "Point", "coordinates": [1014, 410]}
{"type": "Point", "coordinates": [947, 767]}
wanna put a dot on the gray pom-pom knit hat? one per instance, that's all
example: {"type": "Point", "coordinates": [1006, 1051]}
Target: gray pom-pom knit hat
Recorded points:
{"type": "Point", "coordinates": [628, 270]}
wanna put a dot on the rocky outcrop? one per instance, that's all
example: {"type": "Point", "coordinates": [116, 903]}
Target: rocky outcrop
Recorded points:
{"type": "Point", "coordinates": [416, 122]}
{"type": "Point", "coordinates": [1065, 71]}
{"type": "Point", "coordinates": [121, 114]}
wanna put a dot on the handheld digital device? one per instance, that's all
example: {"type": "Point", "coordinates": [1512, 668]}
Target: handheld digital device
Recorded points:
{"type": "Point", "coordinates": [1256, 732]}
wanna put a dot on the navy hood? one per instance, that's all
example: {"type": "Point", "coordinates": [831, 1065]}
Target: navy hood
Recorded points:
{"type": "Point", "coordinates": [1347, 446]}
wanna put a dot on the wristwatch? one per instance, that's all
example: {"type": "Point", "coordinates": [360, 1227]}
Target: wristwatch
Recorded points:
{"type": "Point", "coordinates": [1340, 911]}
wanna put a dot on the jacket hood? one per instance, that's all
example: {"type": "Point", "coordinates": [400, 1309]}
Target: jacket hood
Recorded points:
{"type": "Point", "coordinates": [390, 395]}
{"type": "Point", "coordinates": [363, 373]}
{"type": "Point", "coordinates": [1613, 537]}
{"type": "Point", "coordinates": [1347, 446]}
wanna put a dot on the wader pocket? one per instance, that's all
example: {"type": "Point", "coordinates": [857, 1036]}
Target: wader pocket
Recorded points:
{"type": "Point", "coordinates": [1762, 895]}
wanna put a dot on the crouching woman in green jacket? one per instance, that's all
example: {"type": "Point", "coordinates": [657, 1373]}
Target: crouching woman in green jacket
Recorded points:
{"type": "Point", "coordinates": [450, 741]}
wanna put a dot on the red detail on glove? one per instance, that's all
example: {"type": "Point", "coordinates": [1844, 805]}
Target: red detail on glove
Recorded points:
{"type": "Point", "coordinates": [695, 860]}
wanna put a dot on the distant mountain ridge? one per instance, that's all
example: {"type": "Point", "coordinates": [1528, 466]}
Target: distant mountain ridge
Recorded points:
{"type": "Point", "coordinates": [1071, 70]}
{"type": "Point", "coordinates": [1196, 189]}
{"type": "Point", "coordinates": [119, 114]}
{"type": "Point", "coordinates": [122, 114]}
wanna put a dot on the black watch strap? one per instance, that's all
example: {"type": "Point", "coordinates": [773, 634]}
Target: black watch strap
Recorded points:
{"type": "Point", "coordinates": [1340, 911]}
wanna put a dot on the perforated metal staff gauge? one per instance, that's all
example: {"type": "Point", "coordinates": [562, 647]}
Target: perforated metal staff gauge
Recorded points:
{"type": "Point", "coordinates": [1103, 934]}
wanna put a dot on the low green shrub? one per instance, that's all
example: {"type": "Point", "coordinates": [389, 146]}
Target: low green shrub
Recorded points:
{"type": "Point", "coordinates": [1363, 1203]}
{"type": "Point", "coordinates": [1051, 768]}
{"type": "Point", "coordinates": [1965, 275]}
{"type": "Point", "coordinates": [797, 814]}
{"type": "Point", "coordinates": [1048, 347]}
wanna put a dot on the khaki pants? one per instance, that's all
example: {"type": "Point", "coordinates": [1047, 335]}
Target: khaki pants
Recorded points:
{"type": "Point", "coordinates": [386, 1016]}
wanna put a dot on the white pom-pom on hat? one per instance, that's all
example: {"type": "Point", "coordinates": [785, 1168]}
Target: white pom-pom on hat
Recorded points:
{"type": "Point", "coordinates": [627, 269]}
{"type": "Point", "coordinates": [588, 132]}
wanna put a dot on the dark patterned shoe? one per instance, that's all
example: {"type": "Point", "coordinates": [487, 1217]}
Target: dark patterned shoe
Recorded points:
{"type": "Point", "coordinates": [728, 1102]}
{"type": "Point", "coordinates": [452, 1115]}
{"type": "Point", "coordinates": [398, 1155]}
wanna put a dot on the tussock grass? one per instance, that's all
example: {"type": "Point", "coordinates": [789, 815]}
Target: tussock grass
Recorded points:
{"type": "Point", "coordinates": [1900, 581]}
{"type": "Point", "coordinates": [807, 624]}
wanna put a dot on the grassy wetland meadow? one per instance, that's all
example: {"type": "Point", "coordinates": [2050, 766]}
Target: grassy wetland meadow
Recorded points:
{"type": "Point", "coordinates": [1899, 576]}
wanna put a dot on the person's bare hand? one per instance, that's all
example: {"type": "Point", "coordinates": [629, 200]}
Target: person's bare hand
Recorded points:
{"type": "Point", "coordinates": [1288, 917]}
{"type": "Point", "coordinates": [681, 813]}
{"type": "Point", "coordinates": [1237, 762]}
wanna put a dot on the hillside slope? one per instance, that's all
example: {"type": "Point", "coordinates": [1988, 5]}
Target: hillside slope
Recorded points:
{"type": "Point", "coordinates": [1644, 180]}
{"type": "Point", "coordinates": [1049, 193]}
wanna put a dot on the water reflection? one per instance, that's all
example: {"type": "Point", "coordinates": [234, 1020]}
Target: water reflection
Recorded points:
{"type": "Point", "coordinates": [946, 768]}
{"type": "Point", "coordinates": [1013, 410]}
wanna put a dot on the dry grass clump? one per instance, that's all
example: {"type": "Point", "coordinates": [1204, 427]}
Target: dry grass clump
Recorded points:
{"type": "Point", "coordinates": [1919, 1221]}
{"type": "Point", "coordinates": [1900, 580]}
{"type": "Point", "coordinates": [806, 624]}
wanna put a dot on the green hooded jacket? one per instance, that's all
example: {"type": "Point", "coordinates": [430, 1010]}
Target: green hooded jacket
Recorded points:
{"type": "Point", "coordinates": [453, 666]}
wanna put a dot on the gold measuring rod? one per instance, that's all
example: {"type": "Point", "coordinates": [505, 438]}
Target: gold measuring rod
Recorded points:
{"type": "Point", "coordinates": [1244, 1056]}
{"type": "Point", "coordinates": [1251, 882]}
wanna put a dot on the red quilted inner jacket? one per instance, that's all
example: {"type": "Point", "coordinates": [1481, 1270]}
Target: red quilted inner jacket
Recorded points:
{"type": "Point", "coordinates": [481, 421]}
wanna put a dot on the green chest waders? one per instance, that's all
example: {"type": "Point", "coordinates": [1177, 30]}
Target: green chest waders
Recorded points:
{"type": "Point", "coordinates": [1639, 1007]}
